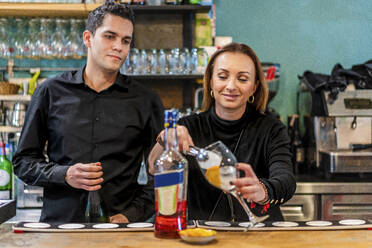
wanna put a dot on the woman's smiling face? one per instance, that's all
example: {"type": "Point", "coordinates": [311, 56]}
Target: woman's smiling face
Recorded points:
{"type": "Point", "coordinates": [233, 82]}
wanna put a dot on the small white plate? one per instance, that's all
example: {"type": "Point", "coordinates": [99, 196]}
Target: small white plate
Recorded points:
{"type": "Point", "coordinates": [36, 225]}
{"type": "Point", "coordinates": [198, 239]}
{"type": "Point", "coordinates": [217, 223]}
{"type": "Point", "coordinates": [105, 226]}
{"type": "Point", "coordinates": [246, 224]}
{"type": "Point", "coordinates": [259, 225]}
{"type": "Point", "coordinates": [71, 226]}
{"type": "Point", "coordinates": [319, 223]}
{"type": "Point", "coordinates": [285, 224]}
{"type": "Point", "coordinates": [249, 224]}
{"type": "Point", "coordinates": [352, 222]}
{"type": "Point", "coordinates": [140, 225]}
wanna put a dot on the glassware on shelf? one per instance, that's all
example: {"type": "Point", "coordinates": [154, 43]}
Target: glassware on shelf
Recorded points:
{"type": "Point", "coordinates": [125, 68]}
{"type": "Point", "coordinates": [133, 61]}
{"type": "Point", "coordinates": [162, 67]}
{"type": "Point", "coordinates": [4, 42]}
{"type": "Point", "coordinates": [194, 61]}
{"type": "Point", "coordinates": [142, 62]}
{"type": "Point", "coordinates": [20, 45]}
{"type": "Point", "coordinates": [76, 49]}
{"type": "Point", "coordinates": [46, 28]}
{"type": "Point", "coordinates": [184, 61]}
{"type": "Point", "coordinates": [217, 163]}
{"type": "Point", "coordinates": [174, 59]}
{"type": "Point", "coordinates": [32, 40]}
{"type": "Point", "coordinates": [152, 61]}
{"type": "Point", "coordinates": [59, 49]}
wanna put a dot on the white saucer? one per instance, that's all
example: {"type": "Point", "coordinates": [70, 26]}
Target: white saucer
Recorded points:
{"type": "Point", "coordinates": [217, 223]}
{"type": "Point", "coordinates": [140, 225]}
{"type": "Point", "coordinates": [105, 226]}
{"type": "Point", "coordinates": [249, 224]}
{"type": "Point", "coordinates": [352, 222]}
{"type": "Point", "coordinates": [71, 226]}
{"type": "Point", "coordinates": [285, 224]}
{"type": "Point", "coordinates": [319, 223]}
{"type": "Point", "coordinates": [36, 225]}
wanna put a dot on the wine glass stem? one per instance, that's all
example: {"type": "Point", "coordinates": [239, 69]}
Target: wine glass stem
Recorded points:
{"type": "Point", "coordinates": [254, 219]}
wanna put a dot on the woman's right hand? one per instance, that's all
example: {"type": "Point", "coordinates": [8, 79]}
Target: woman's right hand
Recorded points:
{"type": "Point", "coordinates": [183, 137]}
{"type": "Point", "coordinates": [184, 143]}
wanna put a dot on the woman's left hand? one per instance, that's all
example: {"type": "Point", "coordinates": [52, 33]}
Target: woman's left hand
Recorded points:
{"type": "Point", "coordinates": [249, 186]}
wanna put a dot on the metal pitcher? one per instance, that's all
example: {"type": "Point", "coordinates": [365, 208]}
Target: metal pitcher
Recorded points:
{"type": "Point", "coordinates": [18, 115]}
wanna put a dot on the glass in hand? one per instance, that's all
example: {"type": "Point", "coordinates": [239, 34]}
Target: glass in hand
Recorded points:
{"type": "Point", "coordinates": [217, 164]}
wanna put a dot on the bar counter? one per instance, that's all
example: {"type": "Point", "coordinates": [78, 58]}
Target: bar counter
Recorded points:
{"type": "Point", "coordinates": [251, 239]}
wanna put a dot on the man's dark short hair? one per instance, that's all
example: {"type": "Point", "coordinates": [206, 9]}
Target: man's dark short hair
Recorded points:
{"type": "Point", "coordinates": [95, 18]}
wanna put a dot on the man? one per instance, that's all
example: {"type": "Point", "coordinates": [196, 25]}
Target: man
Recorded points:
{"type": "Point", "coordinates": [98, 124]}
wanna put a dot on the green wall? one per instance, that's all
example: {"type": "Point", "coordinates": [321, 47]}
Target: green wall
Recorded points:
{"type": "Point", "coordinates": [300, 35]}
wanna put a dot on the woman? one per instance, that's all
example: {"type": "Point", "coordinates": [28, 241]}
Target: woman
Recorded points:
{"type": "Point", "coordinates": [234, 101]}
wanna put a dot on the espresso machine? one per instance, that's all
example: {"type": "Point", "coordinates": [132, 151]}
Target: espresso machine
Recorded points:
{"type": "Point", "coordinates": [343, 134]}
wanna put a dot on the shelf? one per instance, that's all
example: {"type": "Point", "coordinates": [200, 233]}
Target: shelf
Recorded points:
{"type": "Point", "coordinates": [9, 129]}
{"type": "Point", "coordinates": [42, 9]}
{"type": "Point", "coordinates": [168, 76]}
{"type": "Point", "coordinates": [15, 98]}
{"type": "Point", "coordinates": [82, 10]}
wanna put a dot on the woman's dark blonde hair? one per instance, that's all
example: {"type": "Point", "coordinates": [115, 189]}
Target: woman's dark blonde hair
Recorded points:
{"type": "Point", "coordinates": [262, 93]}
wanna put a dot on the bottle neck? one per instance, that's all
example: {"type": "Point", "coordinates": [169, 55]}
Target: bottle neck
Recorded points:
{"type": "Point", "coordinates": [171, 142]}
{"type": "Point", "coordinates": [2, 151]}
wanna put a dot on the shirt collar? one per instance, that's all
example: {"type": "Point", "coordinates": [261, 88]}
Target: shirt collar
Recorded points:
{"type": "Point", "coordinates": [121, 80]}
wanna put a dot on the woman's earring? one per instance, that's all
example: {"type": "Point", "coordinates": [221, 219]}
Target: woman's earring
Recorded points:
{"type": "Point", "coordinates": [251, 99]}
{"type": "Point", "coordinates": [212, 95]}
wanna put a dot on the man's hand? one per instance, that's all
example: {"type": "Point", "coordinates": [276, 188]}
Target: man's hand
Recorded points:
{"type": "Point", "coordinates": [119, 218]}
{"type": "Point", "coordinates": [85, 176]}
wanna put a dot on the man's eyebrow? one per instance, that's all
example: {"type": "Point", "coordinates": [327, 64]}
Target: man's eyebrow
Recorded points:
{"type": "Point", "coordinates": [113, 33]}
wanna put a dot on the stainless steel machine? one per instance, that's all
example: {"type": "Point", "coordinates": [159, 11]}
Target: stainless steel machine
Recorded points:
{"type": "Point", "coordinates": [29, 196]}
{"type": "Point", "coordinates": [344, 137]}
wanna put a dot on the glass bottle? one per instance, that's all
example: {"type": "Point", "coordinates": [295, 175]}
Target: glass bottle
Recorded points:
{"type": "Point", "coordinates": [95, 211]}
{"type": "Point", "coordinates": [6, 174]}
{"type": "Point", "coordinates": [298, 148]}
{"type": "Point", "coordinates": [171, 173]}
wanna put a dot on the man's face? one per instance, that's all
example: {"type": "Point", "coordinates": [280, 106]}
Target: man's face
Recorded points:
{"type": "Point", "coordinates": [109, 46]}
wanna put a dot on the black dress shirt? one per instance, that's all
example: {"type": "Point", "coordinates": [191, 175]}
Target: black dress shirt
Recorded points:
{"type": "Point", "coordinates": [115, 127]}
{"type": "Point", "coordinates": [264, 144]}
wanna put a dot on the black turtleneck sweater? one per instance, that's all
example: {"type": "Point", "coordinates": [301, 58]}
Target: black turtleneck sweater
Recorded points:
{"type": "Point", "coordinates": [264, 144]}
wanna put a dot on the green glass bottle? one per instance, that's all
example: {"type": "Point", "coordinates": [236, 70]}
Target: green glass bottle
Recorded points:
{"type": "Point", "coordinates": [6, 174]}
{"type": "Point", "coordinates": [95, 211]}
